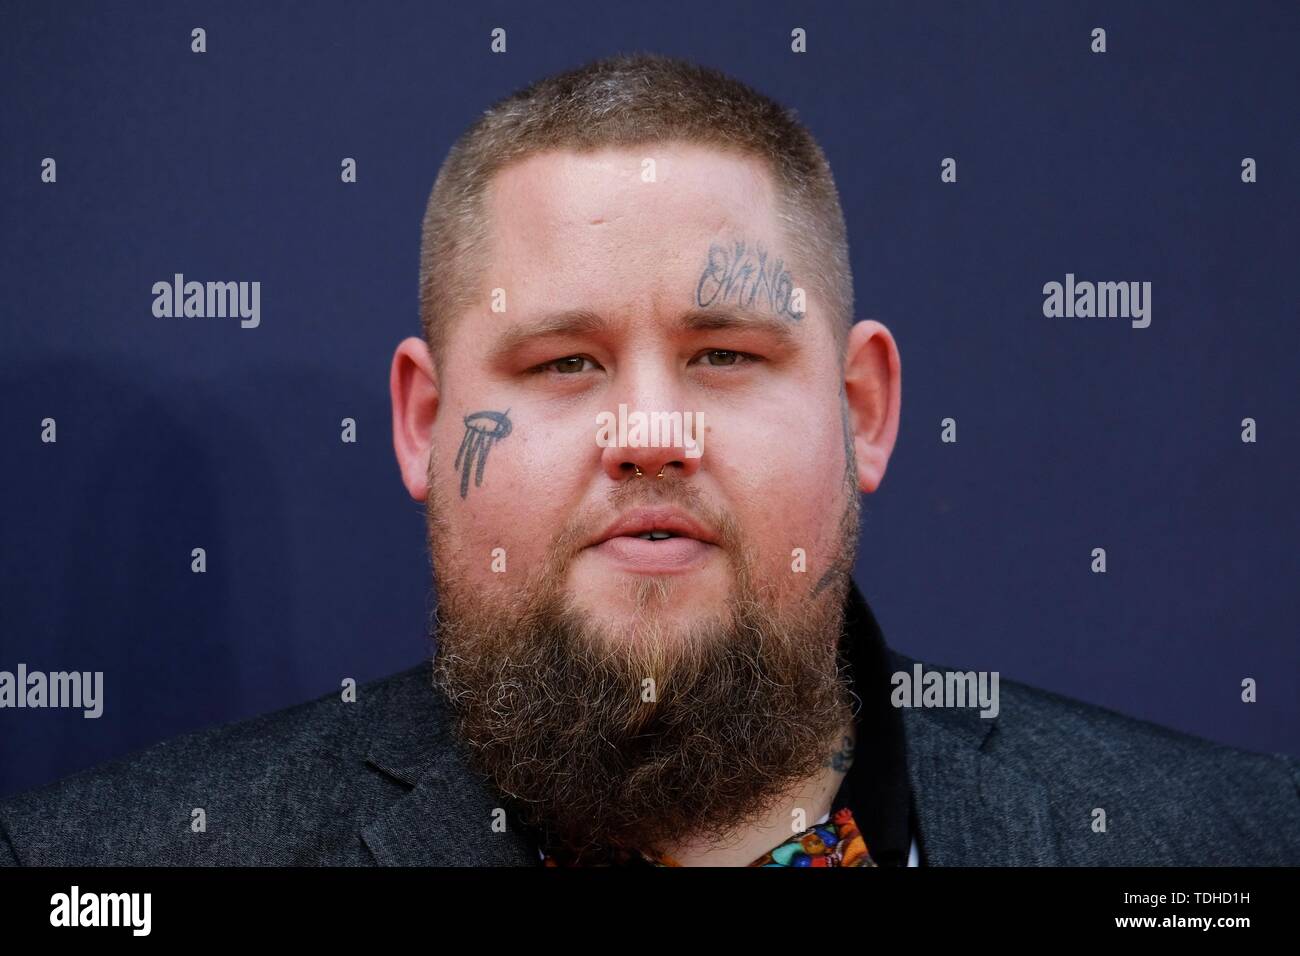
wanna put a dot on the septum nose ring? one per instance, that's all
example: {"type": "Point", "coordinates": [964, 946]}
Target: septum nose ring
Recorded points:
{"type": "Point", "coordinates": [640, 473]}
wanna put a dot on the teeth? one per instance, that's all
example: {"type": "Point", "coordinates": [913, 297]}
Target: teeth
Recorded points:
{"type": "Point", "coordinates": [656, 535]}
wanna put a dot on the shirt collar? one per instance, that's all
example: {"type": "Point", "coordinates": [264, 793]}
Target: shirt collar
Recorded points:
{"type": "Point", "coordinates": [876, 787]}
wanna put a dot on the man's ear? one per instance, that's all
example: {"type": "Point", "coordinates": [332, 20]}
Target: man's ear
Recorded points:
{"type": "Point", "coordinates": [413, 387]}
{"type": "Point", "coordinates": [873, 387]}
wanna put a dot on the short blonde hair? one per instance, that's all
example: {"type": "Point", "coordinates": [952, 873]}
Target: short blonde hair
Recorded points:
{"type": "Point", "coordinates": [631, 101]}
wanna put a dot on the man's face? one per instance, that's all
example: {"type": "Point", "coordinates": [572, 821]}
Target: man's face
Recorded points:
{"type": "Point", "coordinates": [665, 296]}
{"type": "Point", "coordinates": [636, 658]}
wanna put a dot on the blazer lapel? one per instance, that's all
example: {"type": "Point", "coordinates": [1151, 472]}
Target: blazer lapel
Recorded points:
{"type": "Point", "coordinates": [446, 816]}
{"type": "Point", "coordinates": [446, 820]}
{"type": "Point", "coordinates": [972, 808]}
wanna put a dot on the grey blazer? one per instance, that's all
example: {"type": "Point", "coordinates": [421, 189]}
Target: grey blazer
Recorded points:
{"type": "Point", "coordinates": [382, 781]}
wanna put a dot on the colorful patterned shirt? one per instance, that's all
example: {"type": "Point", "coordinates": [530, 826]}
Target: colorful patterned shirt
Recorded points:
{"type": "Point", "coordinates": [833, 842]}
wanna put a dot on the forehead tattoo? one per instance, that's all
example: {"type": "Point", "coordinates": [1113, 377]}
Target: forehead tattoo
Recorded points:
{"type": "Point", "coordinates": [745, 275]}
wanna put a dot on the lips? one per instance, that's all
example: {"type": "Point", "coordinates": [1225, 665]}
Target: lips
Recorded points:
{"type": "Point", "coordinates": [658, 522]}
{"type": "Point", "coordinates": [655, 540]}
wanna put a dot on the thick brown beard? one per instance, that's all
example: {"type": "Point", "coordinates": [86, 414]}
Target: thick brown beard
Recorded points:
{"type": "Point", "coordinates": [552, 706]}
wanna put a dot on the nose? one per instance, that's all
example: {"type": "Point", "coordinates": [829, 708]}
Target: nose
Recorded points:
{"type": "Point", "coordinates": [653, 463]}
{"type": "Point", "coordinates": [649, 442]}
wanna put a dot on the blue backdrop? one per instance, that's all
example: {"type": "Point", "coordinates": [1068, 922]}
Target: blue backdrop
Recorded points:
{"type": "Point", "coordinates": [1073, 433]}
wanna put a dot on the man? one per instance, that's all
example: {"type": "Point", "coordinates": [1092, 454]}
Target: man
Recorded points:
{"type": "Point", "coordinates": [649, 647]}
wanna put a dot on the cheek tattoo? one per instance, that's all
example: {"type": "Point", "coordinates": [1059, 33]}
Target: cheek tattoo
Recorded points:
{"type": "Point", "coordinates": [743, 276]}
{"type": "Point", "coordinates": [482, 429]}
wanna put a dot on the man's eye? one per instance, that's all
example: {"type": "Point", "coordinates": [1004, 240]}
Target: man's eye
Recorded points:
{"type": "Point", "coordinates": [568, 365]}
{"type": "Point", "coordinates": [721, 358]}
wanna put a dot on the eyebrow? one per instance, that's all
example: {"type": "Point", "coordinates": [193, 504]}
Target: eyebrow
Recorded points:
{"type": "Point", "coordinates": [739, 319]}
{"type": "Point", "coordinates": [586, 322]}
